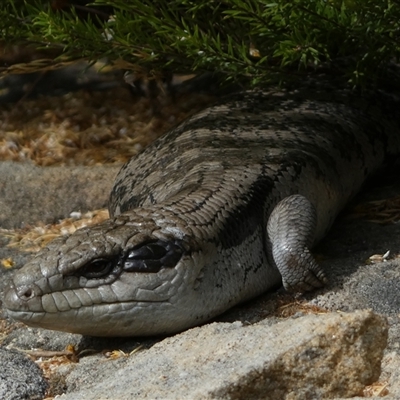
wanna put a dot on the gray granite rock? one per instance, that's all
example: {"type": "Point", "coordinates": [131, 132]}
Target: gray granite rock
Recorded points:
{"type": "Point", "coordinates": [20, 378]}
{"type": "Point", "coordinates": [312, 357]}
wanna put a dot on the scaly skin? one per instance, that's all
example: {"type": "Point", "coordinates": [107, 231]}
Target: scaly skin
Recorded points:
{"type": "Point", "coordinates": [217, 211]}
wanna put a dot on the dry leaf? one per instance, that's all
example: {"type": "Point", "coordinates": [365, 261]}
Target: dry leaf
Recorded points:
{"type": "Point", "coordinates": [377, 389]}
{"type": "Point", "coordinates": [7, 263]}
{"type": "Point", "coordinates": [378, 258]}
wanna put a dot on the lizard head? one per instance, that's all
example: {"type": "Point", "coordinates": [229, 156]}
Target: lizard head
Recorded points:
{"type": "Point", "coordinates": [132, 275]}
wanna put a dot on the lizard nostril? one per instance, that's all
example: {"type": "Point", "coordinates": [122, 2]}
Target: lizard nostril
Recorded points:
{"type": "Point", "coordinates": [20, 299]}
{"type": "Point", "coordinates": [25, 293]}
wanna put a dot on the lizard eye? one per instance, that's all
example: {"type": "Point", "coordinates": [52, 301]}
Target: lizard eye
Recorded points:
{"type": "Point", "coordinates": [152, 256]}
{"type": "Point", "coordinates": [97, 269]}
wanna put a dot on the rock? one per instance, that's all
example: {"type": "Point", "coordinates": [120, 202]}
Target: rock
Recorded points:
{"type": "Point", "coordinates": [312, 357]}
{"type": "Point", "coordinates": [20, 378]}
{"type": "Point", "coordinates": [29, 194]}
{"type": "Point", "coordinates": [391, 372]}
{"type": "Point", "coordinates": [36, 338]}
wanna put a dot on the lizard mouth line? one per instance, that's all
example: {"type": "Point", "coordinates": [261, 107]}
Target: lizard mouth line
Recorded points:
{"type": "Point", "coordinates": [15, 312]}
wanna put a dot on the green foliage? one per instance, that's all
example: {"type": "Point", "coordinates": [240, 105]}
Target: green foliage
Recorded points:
{"type": "Point", "coordinates": [258, 39]}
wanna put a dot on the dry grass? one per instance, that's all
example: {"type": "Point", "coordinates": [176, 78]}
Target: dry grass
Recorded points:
{"type": "Point", "coordinates": [288, 306]}
{"type": "Point", "coordinates": [384, 211]}
{"type": "Point", "coordinates": [88, 128]}
{"type": "Point", "coordinates": [33, 238]}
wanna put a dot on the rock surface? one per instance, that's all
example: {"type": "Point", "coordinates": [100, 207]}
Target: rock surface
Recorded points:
{"type": "Point", "coordinates": [307, 358]}
{"type": "Point", "coordinates": [353, 285]}
{"type": "Point", "coordinates": [20, 378]}
{"type": "Point", "coordinates": [30, 194]}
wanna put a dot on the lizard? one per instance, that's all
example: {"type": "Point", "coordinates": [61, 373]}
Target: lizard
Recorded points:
{"type": "Point", "coordinates": [220, 209]}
